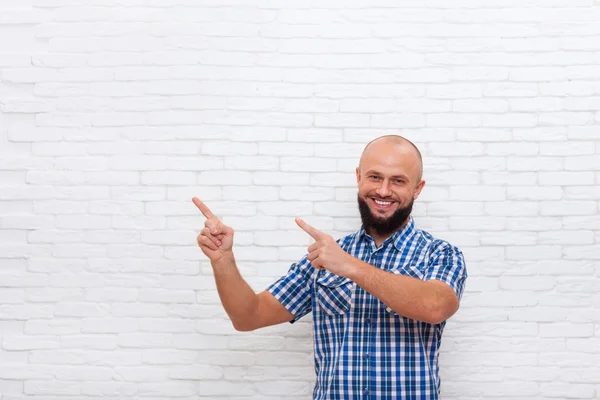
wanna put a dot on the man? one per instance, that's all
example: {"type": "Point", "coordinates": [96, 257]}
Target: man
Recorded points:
{"type": "Point", "coordinates": [380, 297]}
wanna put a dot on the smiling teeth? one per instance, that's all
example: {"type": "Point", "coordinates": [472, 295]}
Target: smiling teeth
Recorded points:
{"type": "Point", "coordinates": [383, 203]}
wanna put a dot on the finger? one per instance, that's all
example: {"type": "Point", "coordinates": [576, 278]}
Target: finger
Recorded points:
{"type": "Point", "coordinates": [316, 263]}
{"type": "Point", "coordinates": [313, 232]}
{"type": "Point", "coordinates": [204, 241]}
{"type": "Point", "coordinates": [226, 230]}
{"type": "Point", "coordinates": [313, 247]}
{"type": "Point", "coordinates": [214, 226]}
{"type": "Point", "coordinates": [203, 208]}
{"type": "Point", "coordinates": [212, 238]}
{"type": "Point", "coordinates": [312, 256]}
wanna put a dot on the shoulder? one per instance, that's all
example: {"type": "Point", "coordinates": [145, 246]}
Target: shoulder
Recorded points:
{"type": "Point", "coordinates": [436, 247]}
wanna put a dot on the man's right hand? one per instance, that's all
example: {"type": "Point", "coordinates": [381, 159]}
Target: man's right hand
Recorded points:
{"type": "Point", "coordinates": [216, 239]}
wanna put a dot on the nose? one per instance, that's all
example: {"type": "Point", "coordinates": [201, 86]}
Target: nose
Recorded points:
{"type": "Point", "coordinates": [384, 189]}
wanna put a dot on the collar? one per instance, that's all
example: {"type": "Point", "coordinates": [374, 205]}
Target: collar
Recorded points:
{"type": "Point", "coordinates": [399, 237]}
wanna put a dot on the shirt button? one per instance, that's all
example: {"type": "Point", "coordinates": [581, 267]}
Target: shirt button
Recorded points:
{"type": "Point", "coordinates": [368, 321]}
{"type": "Point", "coordinates": [366, 392]}
{"type": "Point", "coordinates": [366, 355]}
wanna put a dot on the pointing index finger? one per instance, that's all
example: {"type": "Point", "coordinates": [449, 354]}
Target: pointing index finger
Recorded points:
{"type": "Point", "coordinates": [313, 232]}
{"type": "Point", "coordinates": [203, 208]}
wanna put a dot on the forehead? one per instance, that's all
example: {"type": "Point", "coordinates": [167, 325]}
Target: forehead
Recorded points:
{"type": "Point", "coordinates": [390, 159]}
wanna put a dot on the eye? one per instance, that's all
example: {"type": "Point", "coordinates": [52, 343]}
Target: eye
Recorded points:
{"type": "Point", "coordinates": [374, 177]}
{"type": "Point", "coordinates": [398, 181]}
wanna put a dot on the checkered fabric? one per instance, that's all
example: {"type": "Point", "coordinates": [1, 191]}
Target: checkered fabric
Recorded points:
{"type": "Point", "coordinates": [364, 349]}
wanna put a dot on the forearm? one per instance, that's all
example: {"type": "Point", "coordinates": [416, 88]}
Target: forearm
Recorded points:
{"type": "Point", "coordinates": [408, 296]}
{"type": "Point", "coordinates": [239, 300]}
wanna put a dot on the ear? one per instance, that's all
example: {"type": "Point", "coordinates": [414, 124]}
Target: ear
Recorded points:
{"type": "Point", "coordinates": [357, 174]}
{"type": "Point", "coordinates": [418, 189]}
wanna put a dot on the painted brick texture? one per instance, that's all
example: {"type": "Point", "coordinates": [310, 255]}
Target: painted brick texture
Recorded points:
{"type": "Point", "coordinates": [113, 114]}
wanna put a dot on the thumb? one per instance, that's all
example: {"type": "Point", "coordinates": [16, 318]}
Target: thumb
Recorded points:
{"type": "Point", "coordinates": [313, 232]}
{"type": "Point", "coordinates": [226, 230]}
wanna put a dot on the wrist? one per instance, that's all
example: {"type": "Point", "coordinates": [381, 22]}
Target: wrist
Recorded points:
{"type": "Point", "coordinates": [353, 268]}
{"type": "Point", "coordinates": [227, 259]}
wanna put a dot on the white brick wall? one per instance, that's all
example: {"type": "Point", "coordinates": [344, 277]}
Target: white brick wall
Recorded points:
{"type": "Point", "coordinates": [114, 114]}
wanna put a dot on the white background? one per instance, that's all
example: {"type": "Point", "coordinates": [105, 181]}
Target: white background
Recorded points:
{"type": "Point", "coordinates": [114, 113]}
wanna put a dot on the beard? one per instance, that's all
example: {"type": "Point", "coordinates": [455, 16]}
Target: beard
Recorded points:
{"type": "Point", "coordinates": [383, 226]}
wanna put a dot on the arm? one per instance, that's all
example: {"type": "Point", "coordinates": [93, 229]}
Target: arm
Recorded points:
{"type": "Point", "coordinates": [430, 301]}
{"type": "Point", "coordinates": [246, 309]}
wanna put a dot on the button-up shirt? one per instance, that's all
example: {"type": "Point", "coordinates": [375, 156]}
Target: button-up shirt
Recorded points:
{"type": "Point", "coordinates": [364, 349]}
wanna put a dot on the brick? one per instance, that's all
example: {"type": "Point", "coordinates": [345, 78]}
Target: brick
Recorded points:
{"type": "Point", "coordinates": [252, 163]}
{"type": "Point", "coordinates": [568, 118]}
{"type": "Point", "coordinates": [481, 193]}
{"type": "Point", "coordinates": [229, 148]}
{"type": "Point", "coordinates": [566, 178]}
{"type": "Point", "coordinates": [566, 330]}
{"type": "Point", "coordinates": [568, 208]}
{"type": "Point", "coordinates": [481, 106]}
{"type": "Point", "coordinates": [520, 163]}
{"type": "Point", "coordinates": [536, 104]}
{"type": "Point", "coordinates": [582, 193]}
{"type": "Point", "coordinates": [541, 134]}
{"type": "Point", "coordinates": [533, 253]}
{"type": "Point", "coordinates": [531, 284]}
{"type": "Point", "coordinates": [168, 178]}
{"type": "Point", "coordinates": [567, 88]}
{"type": "Point", "coordinates": [535, 193]}
{"type": "Point", "coordinates": [15, 343]}
{"type": "Point", "coordinates": [457, 149]}
{"type": "Point", "coordinates": [453, 120]}
{"type": "Point", "coordinates": [46, 388]}
{"type": "Point", "coordinates": [52, 327]}
{"type": "Point", "coordinates": [567, 149]}
{"type": "Point", "coordinates": [510, 89]}
{"type": "Point", "coordinates": [537, 74]}
{"type": "Point", "coordinates": [512, 208]}
{"type": "Point", "coordinates": [438, 209]}
{"type": "Point", "coordinates": [583, 132]}
{"type": "Point", "coordinates": [314, 135]}
{"type": "Point", "coordinates": [399, 120]}
{"type": "Point", "coordinates": [478, 163]}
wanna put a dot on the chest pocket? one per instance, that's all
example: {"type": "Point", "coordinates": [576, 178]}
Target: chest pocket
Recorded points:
{"type": "Point", "coordinates": [333, 293]}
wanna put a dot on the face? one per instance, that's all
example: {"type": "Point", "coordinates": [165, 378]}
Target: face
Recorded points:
{"type": "Point", "coordinates": [388, 184]}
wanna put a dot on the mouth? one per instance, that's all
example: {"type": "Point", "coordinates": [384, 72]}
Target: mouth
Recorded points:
{"type": "Point", "coordinates": [382, 204]}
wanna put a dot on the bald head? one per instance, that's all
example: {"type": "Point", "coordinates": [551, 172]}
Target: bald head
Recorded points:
{"type": "Point", "coordinates": [393, 146]}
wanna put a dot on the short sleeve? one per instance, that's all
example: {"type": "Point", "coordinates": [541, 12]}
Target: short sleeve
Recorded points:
{"type": "Point", "coordinates": [448, 265]}
{"type": "Point", "coordinates": [294, 290]}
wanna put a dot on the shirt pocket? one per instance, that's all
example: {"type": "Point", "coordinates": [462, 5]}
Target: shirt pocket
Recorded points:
{"type": "Point", "coordinates": [333, 294]}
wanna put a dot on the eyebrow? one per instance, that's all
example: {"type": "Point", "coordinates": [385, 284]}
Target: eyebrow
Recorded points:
{"type": "Point", "coordinates": [371, 172]}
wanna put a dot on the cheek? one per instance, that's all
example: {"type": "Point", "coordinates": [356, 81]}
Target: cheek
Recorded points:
{"type": "Point", "coordinates": [364, 189]}
{"type": "Point", "coordinates": [404, 195]}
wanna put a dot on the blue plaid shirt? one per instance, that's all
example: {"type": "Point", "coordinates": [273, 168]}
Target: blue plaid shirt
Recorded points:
{"type": "Point", "coordinates": [364, 349]}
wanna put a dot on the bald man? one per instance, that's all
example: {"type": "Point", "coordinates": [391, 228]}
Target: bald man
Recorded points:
{"type": "Point", "coordinates": [380, 297]}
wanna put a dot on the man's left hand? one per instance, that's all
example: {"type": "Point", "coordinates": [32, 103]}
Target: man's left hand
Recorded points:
{"type": "Point", "coordinates": [326, 253]}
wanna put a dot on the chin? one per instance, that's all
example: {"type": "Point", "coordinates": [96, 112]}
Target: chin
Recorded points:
{"type": "Point", "coordinates": [384, 214]}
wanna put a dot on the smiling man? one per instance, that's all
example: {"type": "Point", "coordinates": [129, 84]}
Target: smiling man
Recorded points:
{"type": "Point", "coordinates": [380, 297]}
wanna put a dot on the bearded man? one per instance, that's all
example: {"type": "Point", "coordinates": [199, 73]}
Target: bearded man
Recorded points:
{"type": "Point", "coordinates": [380, 297]}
